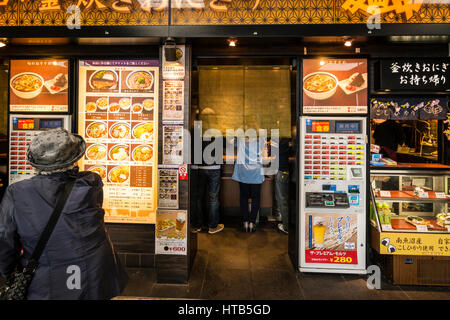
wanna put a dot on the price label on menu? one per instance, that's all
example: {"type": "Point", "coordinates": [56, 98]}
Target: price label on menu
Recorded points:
{"type": "Point", "coordinates": [385, 194]}
{"type": "Point", "coordinates": [423, 195]}
{"type": "Point", "coordinates": [422, 228]}
{"type": "Point", "coordinates": [440, 195]}
{"type": "Point", "coordinates": [386, 227]}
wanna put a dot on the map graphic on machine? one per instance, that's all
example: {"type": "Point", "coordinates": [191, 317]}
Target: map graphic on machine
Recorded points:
{"type": "Point", "coordinates": [333, 194]}
{"type": "Point", "coordinates": [22, 129]}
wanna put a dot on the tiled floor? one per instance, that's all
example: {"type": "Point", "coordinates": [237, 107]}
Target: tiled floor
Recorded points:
{"type": "Point", "coordinates": [237, 265]}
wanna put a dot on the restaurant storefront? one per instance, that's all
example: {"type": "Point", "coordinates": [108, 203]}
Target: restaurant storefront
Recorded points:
{"type": "Point", "coordinates": [133, 76]}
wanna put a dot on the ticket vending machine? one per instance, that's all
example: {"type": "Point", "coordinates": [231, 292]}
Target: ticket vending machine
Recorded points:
{"type": "Point", "coordinates": [333, 169]}
{"type": "Point", "coordinates": [22, 129]}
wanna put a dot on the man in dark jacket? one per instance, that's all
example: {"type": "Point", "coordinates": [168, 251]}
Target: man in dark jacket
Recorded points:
{"type": "Point", "coordinates": [78, 261]}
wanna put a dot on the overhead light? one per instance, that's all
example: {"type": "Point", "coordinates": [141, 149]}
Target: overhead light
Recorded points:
{"type": "Point", "coordinates": [322, 62]}
{"type": "Point", "coordinates": [348, 42]}
{"type": "Point", "coordinates": [170, 50]}
{"type": "Point", "coordinates": [232, 42]}
{"type": "Point", "coordinates": [2, 43]}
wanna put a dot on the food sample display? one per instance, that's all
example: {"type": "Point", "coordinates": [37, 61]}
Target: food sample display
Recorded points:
{"type": "Point", "coordinates": [118, 113]}
{"type": "Point", "coordinates": [410, 201]}
{"type": "Point", "coordinates": [334, 86]}
{"type": "Point", "coordinates": [39, 85]}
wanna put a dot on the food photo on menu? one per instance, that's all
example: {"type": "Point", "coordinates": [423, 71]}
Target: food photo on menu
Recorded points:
{"type": "Point", "coordinates": [39, 85]}
{"type": "Point", "coordinates": [335, 85]}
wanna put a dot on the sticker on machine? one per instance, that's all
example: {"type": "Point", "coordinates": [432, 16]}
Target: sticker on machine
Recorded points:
{"type": "Point", "coordinates": [331, 238]}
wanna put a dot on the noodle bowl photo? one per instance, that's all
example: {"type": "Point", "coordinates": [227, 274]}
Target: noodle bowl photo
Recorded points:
{"type": "Point", "coordinates": [27, 85]}
{"type": "Point", "coordinates": [320, 85]}
{"type": "Point", "coordinates": [141, 80]}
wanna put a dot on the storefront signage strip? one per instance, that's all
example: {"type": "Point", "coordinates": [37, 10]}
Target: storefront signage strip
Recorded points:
{"type": "Point", "coordinates": [215, 12]}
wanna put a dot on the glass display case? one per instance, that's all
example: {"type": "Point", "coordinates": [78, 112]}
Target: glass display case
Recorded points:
{"type": "Point", "coordinates": [410, 200]}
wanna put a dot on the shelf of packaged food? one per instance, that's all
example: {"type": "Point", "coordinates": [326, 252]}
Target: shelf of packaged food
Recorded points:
{"type": "Point", "coordinates": [419, 166]}
{"type": "Point", "coordinates": [410, 196]}
{"type": "Point", "coordinates": [402, 224]}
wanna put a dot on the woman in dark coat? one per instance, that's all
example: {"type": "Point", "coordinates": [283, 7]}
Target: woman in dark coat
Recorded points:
{"type": "Point", "coordinates": [78, 261]}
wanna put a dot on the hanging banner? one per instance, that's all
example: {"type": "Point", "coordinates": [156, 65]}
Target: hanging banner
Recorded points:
{"type": "Point", "coordinates": [118, 103]}
{"type": "Point", "coordinates": [171, 230]}
{"type": "Point", "coordinates": [39, 85]}
{"type": "Point", "coordinates": [334, 86]}
{"type": "Point", "coordinates": [409, 108]}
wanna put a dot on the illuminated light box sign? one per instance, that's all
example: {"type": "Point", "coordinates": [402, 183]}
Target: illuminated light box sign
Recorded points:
{"type": "Point", "coordinates": [39, 85]}
{"type": "Point", "coordinates": [413, 75]}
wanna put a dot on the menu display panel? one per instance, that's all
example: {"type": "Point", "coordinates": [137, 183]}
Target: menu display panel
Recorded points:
{"type": "Point", "coordinates": [118, 117]}
{"type": "Point", "coordinates": [334, 86]}
{"type": "Point", "coordinates": [39, 85]}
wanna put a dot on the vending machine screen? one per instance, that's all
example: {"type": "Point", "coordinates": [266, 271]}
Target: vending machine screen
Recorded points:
{"type": "Point", "coordinates": [50, 124]}
{"type": "Point", "coordinates": [347, 127]}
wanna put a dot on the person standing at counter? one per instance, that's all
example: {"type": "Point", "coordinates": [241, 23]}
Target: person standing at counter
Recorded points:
{"type": "Point", "coordinates": [388, 135]}
{"type": "Point", "coordinates": [248, 171]}
{"type": "Point", "coordinates": [282, 151]}
{"type": "Point", "coordinates": [207, 177]}
{"type": "Point", "coordinates": [79, 239]}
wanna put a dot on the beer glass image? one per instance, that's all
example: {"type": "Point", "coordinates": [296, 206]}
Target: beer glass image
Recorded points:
{"type": "Point", "coordinates": [319, 231]}
{"type": "Point", "coordinates": [181, 220]}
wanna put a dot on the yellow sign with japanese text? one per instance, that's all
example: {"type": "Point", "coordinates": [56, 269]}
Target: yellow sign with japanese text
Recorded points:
{"type": "Point", "coordinates": [77, 13]}
{"type": "Point", "coordinates": [415, 244]}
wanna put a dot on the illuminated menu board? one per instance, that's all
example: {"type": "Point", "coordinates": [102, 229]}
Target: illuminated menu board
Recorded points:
{"type": "Point", "coordinates": [118, 117]}
{"type": "Point", "coordinates": [334, 86]}
{"type": "Point", "coordinates": [39, 85]}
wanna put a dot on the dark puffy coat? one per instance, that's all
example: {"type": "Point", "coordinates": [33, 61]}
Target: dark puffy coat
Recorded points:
{"type": "Point", "coordinates": [79, 238]}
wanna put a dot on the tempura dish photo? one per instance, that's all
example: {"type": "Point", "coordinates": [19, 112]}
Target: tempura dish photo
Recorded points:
{"type": "Point", "coordinates": [143, 153]}
{"type": "Point", "coordinates": [96, 152]}
{"type": "Point", "coordinates": [120, 130]}
{"type": "Point", "coordinates": [27, 85]}
{"type": "Point", "coordinates": [320, 85]}
{"type": "Point", "coordinates": [165, 225]}
{"type": "Point", "coordinates": [140, 80]}
{"type": "Point", "coordinates": [143, 131]}
{"type": "Point", "coordinates": [119, 174]}
{"type": "Point", "coordinates": [97, 130]}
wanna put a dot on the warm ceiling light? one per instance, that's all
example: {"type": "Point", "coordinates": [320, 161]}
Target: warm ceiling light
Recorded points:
{"type": "Point", "coordinates": [232, 42]}
{"type": "Point", "coordinates": [2, 44]}
{"type": "Point", "coordinates": [322, 62]}
{"type": "Point", "coordinates": [348, 42]}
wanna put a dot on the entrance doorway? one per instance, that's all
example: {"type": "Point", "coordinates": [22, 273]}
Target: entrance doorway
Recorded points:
{"type": "Point", "coordinates": [240, 93]}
